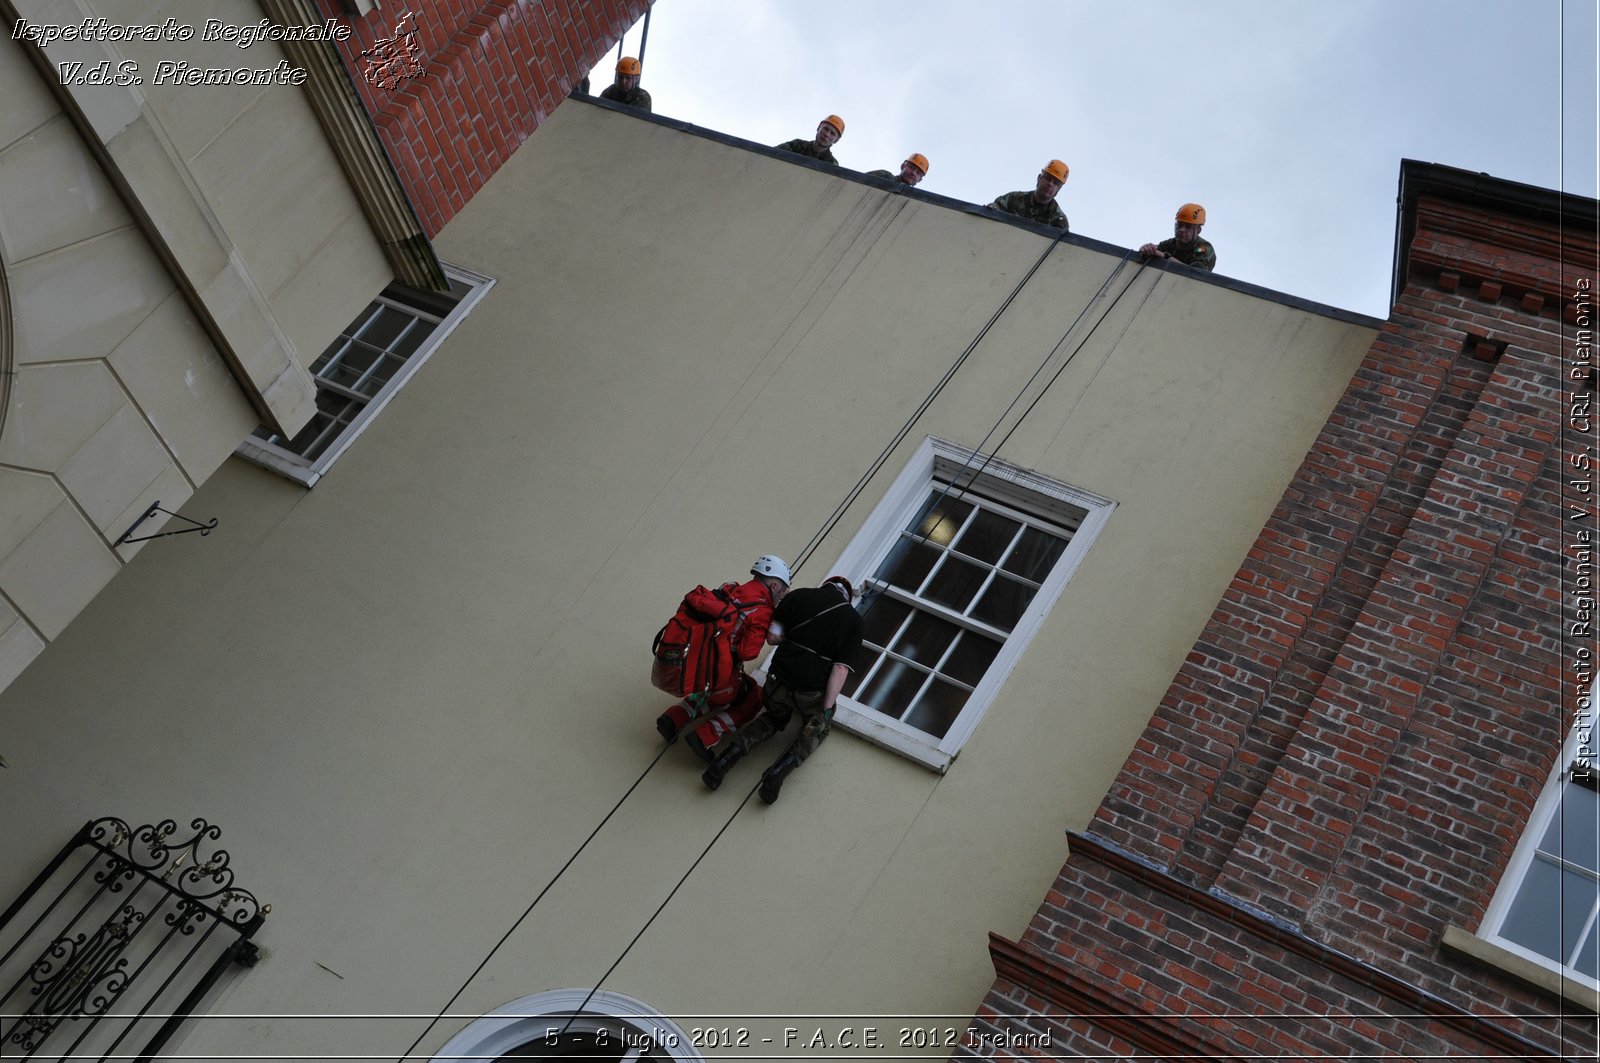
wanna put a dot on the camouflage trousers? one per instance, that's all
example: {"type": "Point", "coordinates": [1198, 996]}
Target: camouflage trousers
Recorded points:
{"type": "Point", "coordinates": [782, 703]}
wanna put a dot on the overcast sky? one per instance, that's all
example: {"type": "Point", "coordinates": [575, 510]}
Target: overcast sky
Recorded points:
{"type": "Point", "coordinates": [1287, 119]}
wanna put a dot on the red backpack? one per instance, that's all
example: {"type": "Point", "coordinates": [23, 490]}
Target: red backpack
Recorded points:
{"type": "Point", "coordinates": [694, 650]}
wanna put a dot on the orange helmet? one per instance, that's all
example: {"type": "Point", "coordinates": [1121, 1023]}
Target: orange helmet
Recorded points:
{"type": "Point", "coordinates": [1191, 214]}
{"type": "Point", "coordinates": [628, 65]}
{"type": "Point", "coordinates": [1057, 169]}
{"type": "Point", "coordinates": [835, 121]}
{"type": "Point", "coordinates": [919, 160]}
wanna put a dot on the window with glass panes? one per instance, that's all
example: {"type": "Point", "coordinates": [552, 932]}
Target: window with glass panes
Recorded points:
{"type": "Point", "coordinates": [359, 364]}
{"type": "Point", "coordinates": [362, 369]}
{"type": "Point", "coordinates": [941, 604]}
{"type": "Point", "coordinates": [1551, 907]}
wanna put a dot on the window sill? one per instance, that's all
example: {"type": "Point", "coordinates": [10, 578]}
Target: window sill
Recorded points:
{"type": "Point", "coordinates": [846, 717]}
{"type": "Point", "coordinates": [285, 465]}
{"type": "Point", "coordinates": [1466, 945]}
{"type": "Point", "coordinates": [875, 730]}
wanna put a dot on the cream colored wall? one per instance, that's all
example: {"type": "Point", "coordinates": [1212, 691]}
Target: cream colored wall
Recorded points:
{"type": "Point", "coordinates": [408, 695]}
{"type": "Point", "coordinates": [120, 399]}
{"type": "Point", "coordinates": [280, 245]}
{"type": "Point", "coordinates": [239, 182]}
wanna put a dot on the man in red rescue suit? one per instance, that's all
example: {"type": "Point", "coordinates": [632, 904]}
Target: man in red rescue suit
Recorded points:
{"type": "Point", "coordinates": [733, 700]}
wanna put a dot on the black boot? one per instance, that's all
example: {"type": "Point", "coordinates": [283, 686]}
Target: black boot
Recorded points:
{"type": "Point", "coordinates": [668, 729]}
{"type": "Point", "coordinates": [698, 748]}
{"type": "Point", "coordinates": [720, 767]}
{"type": "Point", "coordinates": [772, 778]}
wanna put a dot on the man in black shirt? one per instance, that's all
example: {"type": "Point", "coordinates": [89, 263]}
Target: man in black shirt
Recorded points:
{"type": "Point", "coordinates": [818, 634]}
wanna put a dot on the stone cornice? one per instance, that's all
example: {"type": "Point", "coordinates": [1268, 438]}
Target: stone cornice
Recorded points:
{"type": "Point", "coordinates": [1155, 1035]}
{"type": "Point", "coordinates": [1065, 988]}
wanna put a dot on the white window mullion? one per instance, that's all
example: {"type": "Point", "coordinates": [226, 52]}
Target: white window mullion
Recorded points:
{"type": "Point", "coordinates": [306, 464]}
{"type": "Point", "coordinates": [943, 612]}
{"type": "Point", "coordinates": [884, 652]}
{"type": "Point", "coordinates": [1583, 937]}
{"type": "Point", "coordinates": [1516, 890]}
{"type": "Point", "coordinates": [901, 517]}
{"type": "Point", "coordinates": [988, 580]}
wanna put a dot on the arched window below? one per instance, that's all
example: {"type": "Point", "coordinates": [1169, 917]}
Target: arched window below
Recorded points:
{"type": "Point", "coordinates": [611, 1026]}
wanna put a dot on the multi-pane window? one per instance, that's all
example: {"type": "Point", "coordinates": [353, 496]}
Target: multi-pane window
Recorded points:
{"type": "Point", "coordinates": [958, 566]}
{"type": "Point", "coordinates": [359, 371]}
{"type": "Point", "coordinates": [943, 602]}
{"type": "Point", "coordinates": [1548, 907]}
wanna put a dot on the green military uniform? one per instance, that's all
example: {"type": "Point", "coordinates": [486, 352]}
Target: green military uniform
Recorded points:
{"type": "Point", "coordinates": [822, 630]}
{"type": "Point", "coordinates": [809, 149]}
{"type": "Point", "coordinates": [1198, 255]}
{"type": "Point", "coordinates": [1023, 205]}
{"type": "Point", "coordinates": [636, 98]}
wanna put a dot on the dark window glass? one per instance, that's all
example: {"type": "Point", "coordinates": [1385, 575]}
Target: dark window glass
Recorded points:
{"type": "Point", "coordinates": [938, 707]}
{"type": "Point", "coordinates": [968, 556]}
{"type": "Point", "coordinates": [1002, 603]}
{"type": "Point", "coordinates": [987, 536]}
{"type": "Point", "coordinates": [1035, 555]}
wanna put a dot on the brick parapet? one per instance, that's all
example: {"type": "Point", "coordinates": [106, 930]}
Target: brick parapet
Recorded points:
{"type": "Point", "coordinates": [1495, 257]}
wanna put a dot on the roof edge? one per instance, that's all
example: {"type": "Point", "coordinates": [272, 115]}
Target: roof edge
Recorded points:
{"type": "Point", "coordinates": [1089, 243]}
{"type": "Point", "coordinates": [1471, 189]}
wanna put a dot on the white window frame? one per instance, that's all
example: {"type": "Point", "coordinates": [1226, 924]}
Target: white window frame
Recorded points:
{"type": "Point", "coordinates": [879, 534]}
{"type": "Point", "coordinates": [289, 464]}
{"type": "Point", "coordinates": [1544, 811]}
{"type": "Point", "coordinates": [533, 1018]}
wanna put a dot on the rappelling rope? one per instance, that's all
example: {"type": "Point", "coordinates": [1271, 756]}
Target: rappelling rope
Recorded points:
{"type": "Point", "coordinates": [905, 429]}
{"type": "Point", "coordinates": [922, 407]}
{"type": "Point", "coordinates": [810, 548]}
{"type": "Point", "coordinates": [1099, 294]}
{"type": "Point", "coordinates": [660, 908]}
{"type": "Point", "coordinates": [527, 911]}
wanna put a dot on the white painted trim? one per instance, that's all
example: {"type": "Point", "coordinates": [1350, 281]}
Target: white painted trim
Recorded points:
{"type": "Point", "coordinates": [891, 734]}
{"type": "Point", "coordinates": [878, 535]}
{"type": "Point", "coordinates": [307, 473]}
{"type": "Point", "coordinates": [528, 1019]}
{"type": "Point", "coordinates": [1505, 895]}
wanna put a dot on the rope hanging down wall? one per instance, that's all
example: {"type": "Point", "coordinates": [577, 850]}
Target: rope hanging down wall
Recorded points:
{"type": "Point", "coordinates": [810, 547]}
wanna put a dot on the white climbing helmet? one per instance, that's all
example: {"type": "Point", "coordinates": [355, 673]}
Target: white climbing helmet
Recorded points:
{"type": "Point", "coordinates": [771, 565]}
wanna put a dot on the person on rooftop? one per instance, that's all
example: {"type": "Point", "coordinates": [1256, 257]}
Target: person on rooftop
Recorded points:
{"type": "Point", "coordinates": [912, 171]}
{"type": "Point", "coordinates": [625, 89]}
{"type": "Point", "coordinates": [829, 130]}
{"type": "Point", "coordinates": [1040, 204]}
{"type": "Point", "coordinates": [1185, 248]}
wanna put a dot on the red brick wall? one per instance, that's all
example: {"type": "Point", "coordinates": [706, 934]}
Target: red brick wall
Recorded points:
{"type": "Point", "coordinates": [492, 70]}
{"type": "Point", "coordinates": [1345, 762]}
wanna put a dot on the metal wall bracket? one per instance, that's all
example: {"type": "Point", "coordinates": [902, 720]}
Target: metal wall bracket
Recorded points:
{"type": "Point", "coordinates": [203, 529]}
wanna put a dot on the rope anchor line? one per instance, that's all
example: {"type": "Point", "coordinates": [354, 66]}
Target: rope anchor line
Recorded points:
{"type": "Point", "coordinates": [816, 540]}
